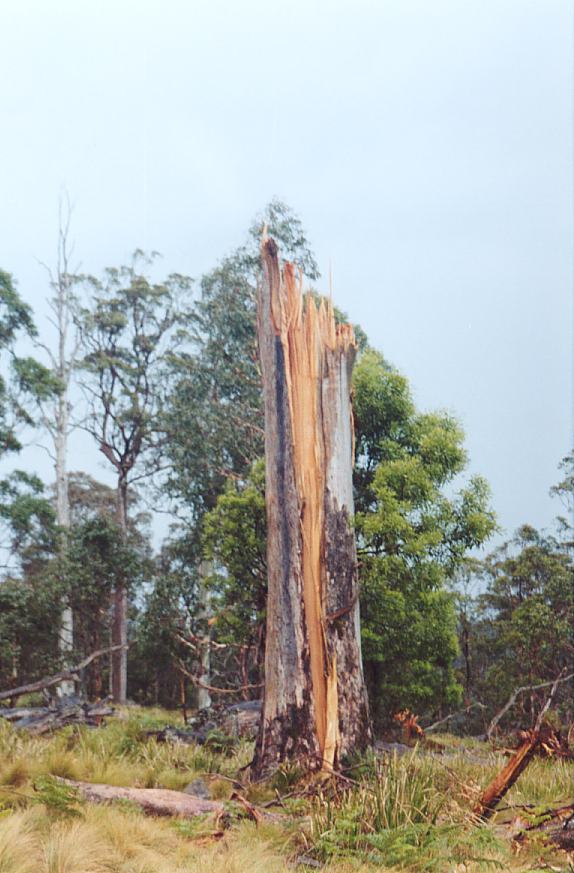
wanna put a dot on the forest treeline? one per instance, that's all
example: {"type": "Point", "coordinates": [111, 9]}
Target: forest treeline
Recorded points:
{"type": "Point", "coordinates": [162, 377]}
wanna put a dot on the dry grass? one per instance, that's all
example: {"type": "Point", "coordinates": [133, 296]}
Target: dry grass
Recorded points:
{"type": "Point", "coordinates": [109, 840]}
{"type": "Point", "coordinates": [403, 826]}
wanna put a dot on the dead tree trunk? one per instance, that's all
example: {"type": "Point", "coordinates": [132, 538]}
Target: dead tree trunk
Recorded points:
{"type": "Point", "coordinates": [315, 704]}
{"type": "Point", "coordinates": [202, 696]}
{"type": "Point", "coordinates": [120, 606]}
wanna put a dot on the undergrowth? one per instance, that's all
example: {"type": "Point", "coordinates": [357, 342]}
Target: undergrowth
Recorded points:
{"type": "Point", "coordinates": [390, 814]}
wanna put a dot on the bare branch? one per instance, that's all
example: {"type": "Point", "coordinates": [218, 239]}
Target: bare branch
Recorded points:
{"type": "Point", "coordinates": [70, 673]}
{"type": "Point", "coordinates": [522, 690]}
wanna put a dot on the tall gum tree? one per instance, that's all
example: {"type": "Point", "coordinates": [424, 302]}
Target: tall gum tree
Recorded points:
{"type": "Point", "coordinates": [128, 333]}
{"type": "Point", "coordinates": [315, 703]}
{"type": "Point", "coordinates": [55, 415]}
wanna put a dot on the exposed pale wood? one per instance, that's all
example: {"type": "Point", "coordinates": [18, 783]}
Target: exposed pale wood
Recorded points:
{"type": "Point", "coordinates": [18, 712]}
{"type": "Point", "coordinates": [203, 699]}
{"type": "Point", "coordinates": [315, 704]}
{"type": "Point", "coordinates": [153, 801]}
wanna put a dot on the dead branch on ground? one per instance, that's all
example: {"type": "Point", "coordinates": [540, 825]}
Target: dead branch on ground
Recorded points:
{"type": "Point", "coordinates": [48, 681]}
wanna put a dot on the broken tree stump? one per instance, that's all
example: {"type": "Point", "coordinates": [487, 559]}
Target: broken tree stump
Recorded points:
{"type": "Point", "coordinates": [315, 703]}
{"type": "Point", "coordinates": [504, 780]}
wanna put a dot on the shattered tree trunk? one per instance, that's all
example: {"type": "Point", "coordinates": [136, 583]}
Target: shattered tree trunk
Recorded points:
{"type": "Point", "coordinates": [315, 706]}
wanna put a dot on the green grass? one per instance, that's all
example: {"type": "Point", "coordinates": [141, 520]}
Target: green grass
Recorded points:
{"type": "Point", "coordinates": [399, 814]}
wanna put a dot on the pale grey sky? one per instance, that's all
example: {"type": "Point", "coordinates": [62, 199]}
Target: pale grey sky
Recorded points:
{"type": "Point", "coordinates": [427, 146]}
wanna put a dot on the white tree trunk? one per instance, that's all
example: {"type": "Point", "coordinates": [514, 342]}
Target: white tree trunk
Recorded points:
{"type": "Point", "coordinates": [63, 519]}
{"type": "Point", "coordinates": [60, 434]}
{"type": "Point", "coordinates": [119, 660]}
{"type": "Point", "coordinates": [203, 698]}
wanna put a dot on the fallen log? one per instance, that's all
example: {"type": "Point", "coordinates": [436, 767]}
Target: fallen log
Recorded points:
{"type": "Point", "coordinates": [48, 681]}
{"type": "Point", "coordinates": [562, 835]}
{"type": "Point", "coordinates": [153, 801]}
{"type": "Point", "coordinates": [452, 715]}
{"type": "Point", "coordinates": [68, 710]}
{"type": "Point", "coordinates": [17, 713]}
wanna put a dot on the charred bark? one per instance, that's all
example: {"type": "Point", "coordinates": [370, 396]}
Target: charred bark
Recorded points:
{"type": "Point", "coordinates": [315, 703]}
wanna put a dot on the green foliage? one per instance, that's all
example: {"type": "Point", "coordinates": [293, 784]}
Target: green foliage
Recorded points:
{"type": "Point", "coordinates": [219, 742]}
{"type": "Point", "coordinates": [27, 515]}
{"type": "Point", "coordinates": [397, 819]}
{"type": "Point", "coordinates": [235, 539]}
{"type": "Point", "coordinates": [29, 622]}
{"type": "Point", "coordinates": [564, 490]}
{"type": "Point", "coordinates": [522, 632]}
{"type": "Point", "coordinates": [413, 533]}
{"type": "Point", "coordinates": [60, 800]}
{"type": "Point", "coordinates": [169, 607]}
{"type": "Point", "coordinates": [128, 334]}
{"type": "Point", "coordinates": [25, 379]}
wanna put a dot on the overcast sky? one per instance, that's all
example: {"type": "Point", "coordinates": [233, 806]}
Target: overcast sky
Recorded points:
{"type": "Point", "coordinates": [427, 147]}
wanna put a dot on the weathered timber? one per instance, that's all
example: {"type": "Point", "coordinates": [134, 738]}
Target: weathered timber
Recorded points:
{"type": "Point", "coordinates": [552, 683]}
{"type": "Point", "coordinates": [524, 754]}
{"type": "Point", "coordinates": [504, 780]}
{"type": "Point", "coordinates": [153, 801]}
{"type": "Point", "coordinates": [315, 704]}
{"type": "Point", "coordinates": [561, 835]}
{"type": "Point", "coordinates": [48, 681]}
{"type": "Point", "coordinates": [63, 711]}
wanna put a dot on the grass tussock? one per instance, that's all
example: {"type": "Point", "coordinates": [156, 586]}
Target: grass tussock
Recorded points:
{"type": "Point", "coordinates": [402, 817]}
{"type": "Point", "coordinates": [394, 814]}
{"type": "Point", "coordinates": [110, 840]}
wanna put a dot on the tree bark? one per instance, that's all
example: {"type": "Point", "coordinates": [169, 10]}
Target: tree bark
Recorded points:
{"type": "Point", "coordinates": [120, 607]}
{"type": "Point", "coordinates": [63, 511]}
{"type": "Point", "coordinates": [202, 696]}
{"type": "Point", "coordinates": [315, 703]}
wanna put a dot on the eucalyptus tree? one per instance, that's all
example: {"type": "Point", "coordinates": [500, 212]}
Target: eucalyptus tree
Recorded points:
{"type": "Point", "coordinates": [128, 333]}
{"type": "Point", "coordinates": [415, 529]}
{"type": "Point", "coordinates": [23, 383]}
{"type": "Point", "coordinates": [26, 517]}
